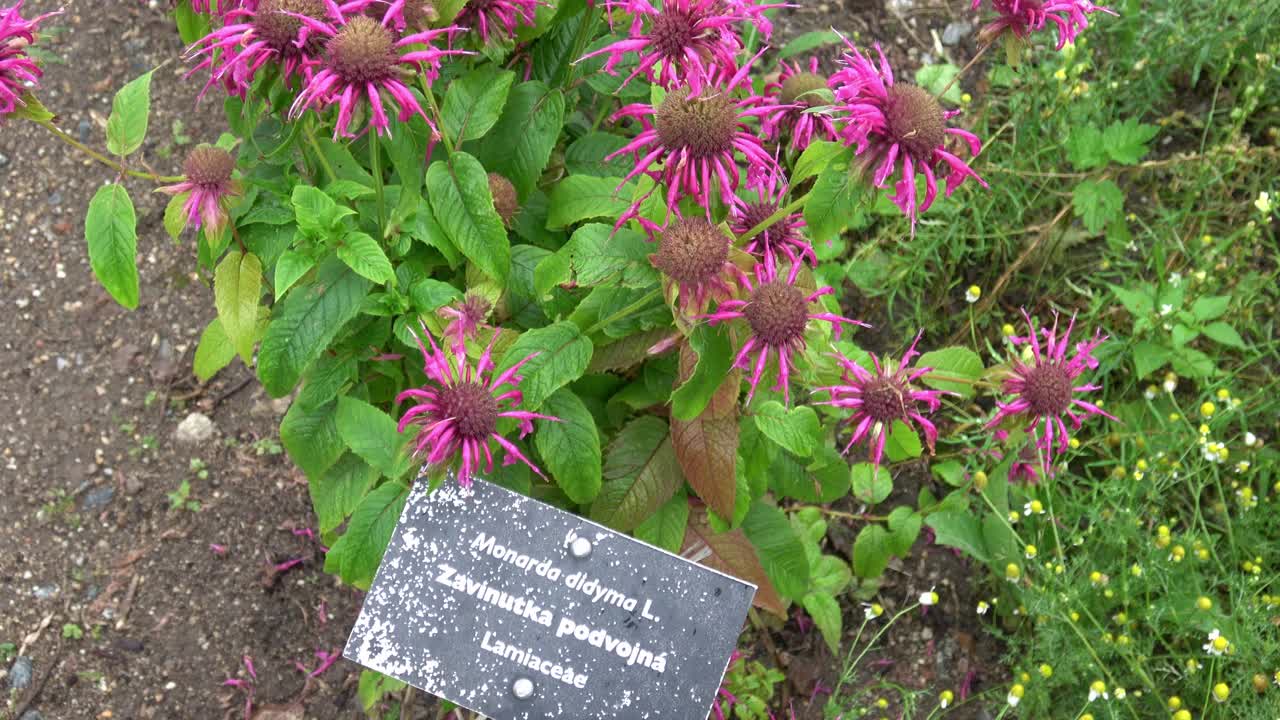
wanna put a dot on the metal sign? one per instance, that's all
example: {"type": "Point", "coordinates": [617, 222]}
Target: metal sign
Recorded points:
{"type": "Point", "coordinates": [521, 611]}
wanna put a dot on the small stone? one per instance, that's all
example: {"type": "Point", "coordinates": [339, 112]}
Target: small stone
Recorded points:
{"type": "Point", "coordinates": [31, 715]}
{"type": "Point", "coordinates": [196, 428]}
{"type": "Point", "coordinates": [926, 633]}
{"type": "Point", "coordinates": [97, 499]}
{"type": "Point", "coordinates": [61, 362]}
{"type": "Point", "coordinates": [45, 592]}
{"type": "Point", "coordinates": [955, 32]}
{"type": "Point", "coordinates": [20, 673]}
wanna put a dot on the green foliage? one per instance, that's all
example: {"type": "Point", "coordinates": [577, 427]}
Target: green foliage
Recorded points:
{"type": "Point", "coordinates": [110, 228]}
{"type": "Point", "coordinates": [130, 111]}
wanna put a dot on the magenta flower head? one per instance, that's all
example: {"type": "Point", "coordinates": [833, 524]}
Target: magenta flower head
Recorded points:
{"type": "Point", "coordinates": [778, 313]}
{"type": "Point", "coordinates": [465, 320]}
{"type": "Point", "coordinates": [366, 59]}
{"type": "Point", "coordinates": [209, 186]}
{"type": "Point", "coordinates": [1023, 17]}
{"type": "Point", "coordinates": [690, 140]}
{"type": "Point", "coordinates": [1045, 386]}
{"type": "Point", "coordinates": [269, 31]}
{"type": "Point", "coordinates": [18, 72]}
{"type": "Point", "coordinates": [223, 6]}
{"type": "Point", "coordinates": [401, 15]}
{"type": "Point", "coordinates": [900, 130]}
{"type": "Point", "coordinates": [781, 239]}
{"type": "Point", "coordinates": [795, 91]}
{"type": "Point", "coordinates": [682, 42]}
{"type": "Point", "coordinates": [876, 399]}
{"type": "Point", "coordinates": [459, 409]}
{"type": "Point", "coordinates": [693, 255]}
{"type": "Point", "coordinates": [497, 18]}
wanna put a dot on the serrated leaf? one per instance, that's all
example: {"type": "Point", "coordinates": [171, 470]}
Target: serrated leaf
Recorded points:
{"type": "Point", "coordinates": [560, 355]}
{"type": "Point", "coordinates": [1211, 307]}
{"type": "Point", "coordinates": [824, 479]}
{"type": "Point", "coordinates": [780, 551]}
{"type": "Point", "coordinates": [1126, 142]}
{"type": "Point", "coordinates": [952, 362]}
{"type": "Point", "coordinates": [709, 355]}
{"type": "Point", "coordinates": [357, 554]}
{"type": "Point", "coordinates": [520, 144]}
{"type": "Point", "coordinates": [364, 255]}
{"type": "Point", "coordinates": [796, 430]}
{"type": "Point", "coordinates": [570, 448]}
{"type": "Point", "coordinates": [1223, 333]}
{"type": "Point", "coordinates": [305, 322]}
{"type": "Point", "coordinates": [950, 472]}
{"type": "Point", "coordinates": [666, 527]}
{"type": "Point", "coordinates": [1149, 357]}
{"type": "Point", "coordinates": [707, 444]}
{"type": "Point", "coordinates": [832, 202]}
{"type": "Point", "coordinates": [597, 255]}
{"type": "Point", "coordinates": [586, 156]}
{"type": "Point", "coordinates": [936, 77]}
{"type": "Point", "coordinates": [289, 269]}
{"type": "Point", "coordinates": [904, 527]}
{"type": "Point", "coordinates": [111, 231]}
{"type": "Point", "coordinates": [237, 285]}
{"type": "Point", "coordinates": [903, 443]}
{"type": "Point", "coordinates": [1139, 304]}
{"type": "Point", "coordinates": [585, 197]}
{"type": "Point", "coordinates": [959, 529]}
{"type": "Point", "coordinates": [337, 492]}
{"type": "Point", "coordinates": [871, 483]}
{"type": "Point", "coordinates": [473, 102]}
{"type": "Point", "coordinates": [871, 552]}
{"type": "Point", "coordinates": [829, 574]}
{"type": "Point", "coordinates": [214, 351]}
{"type": "Point", "coordinates": [313, 209]}
{"type": "Point", "coordinates": [130, 110]}
{"type": "Point", "coordinates": [460, 198]}
{"type": "Point", "coordinates": [310, 435]}
{"type": "Point", "coordinates": [372, 434]}
{"type": "Point", "coordinates": [817, 156]}
{"type": "Point", "coordinates": [1084, 147]}
{"type": "Point", "coordinates": [825, 613]}
{"type": "Point", "coordinates": [731, 553]}
{"type": "Point", "coordinates": [1097, 203]}
{"type": "Point", "coordinates": [641, 474]}
{"type": "Point", "coordinates": [175, 216]}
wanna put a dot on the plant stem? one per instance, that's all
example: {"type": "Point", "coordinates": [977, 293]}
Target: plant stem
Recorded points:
{"type": "Point", "coordinates": [435, 111]}
{"type": "Point", "coordinates": [624, 312]}
{"type": "Point", "coordinates": [169, 179]}
{"type": "Point", "coordinates": [775, 218]}
{"type": "Point", "coordinates": [981, 51]}
{"type": "Point", "coordinates": [375, 168]}
{"type": "Point", "coordinates": [315, 147]}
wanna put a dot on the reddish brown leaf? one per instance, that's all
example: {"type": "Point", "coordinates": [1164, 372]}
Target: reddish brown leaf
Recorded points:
{"type": "Point", "coordinates": [733, 554]}
{"type": "Point", "coordinates": [707, 446]}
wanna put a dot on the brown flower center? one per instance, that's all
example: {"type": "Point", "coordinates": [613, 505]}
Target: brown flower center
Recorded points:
{"type": "Point", "coordinates": [473, 409]}
{"type": "Point", "coordinates": [704, 125]}
{"type": "Point", "coordinates": [692, 251]}
{"type": "Point", "coordinates": [671, 33]}
{"type": "Point", "coordinates": [416, 13]}
{"type": "Point", "coordinates": [884, 400]}
{"type": "Point", "coordinates": [777, 313]}
{"type": "Point", "coordinates": [799, 84]}
{"type": "Point", "coordinates": [280, 31]}
{"type": "Point", "coordinates": [209, 166]}
{"type": "Point", "coordinates": [915, 120]}
{"type": "Point", "coordinates": [363, 51]}
{"type": "Point", "coordinates": [505, 200]}
{"type": "Point", "coordinates": [1048, 389]}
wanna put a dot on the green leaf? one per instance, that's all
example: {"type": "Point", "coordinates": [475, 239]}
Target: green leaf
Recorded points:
{"type": "Point", "coordinates": [715, 358]}
{"type": "Point", "coordinates": [584, 197]}
{"type": "Point", "coordinates": [871, 551]}
{"type": "Point", "coordinates": [560, 355]}
{"type": "Point", "coordinates": [825, 613]}
{"type": "Point", "coordinates": [832, 202]}
{"type": "Point", "coordinates": [374, 686]}
{"type": "Point", "coordinates": [111, 230]}
{"type": "Point", "coordinates": [904, 528]}
{"type": "Point", "coordinates": [1139, 304]}
{"type": "Point", "coordinates": [806, 42]}
{"type": "Point", "coordinates": [213, 352]}
{"type": "Point", "coordinates": [830, 574]}
{"type": "Point", "coordinates": [1192, 363]}
{"type": "Point", "coordinates": [959, 529]}
{"type": "Point", "coordinates": [641, 474]}
{"type": "Point", "coordinates": [596, 255]}
{"type": "Point", "coordinates": [364, 255]}
{"type": "Point", "coordinates": [666, 527]}
{"type": "Point", "coordinates": [337, 492]}
{"type": "Point", "coordinates": [824, 479]}
{"type": "Point", "coordinates": [1211, 307]}
{"type": "Point", "coordinates": [1084, 147]}
{"type": "Point", "coordinates": [357, 554]}
{"type": "Point", "coordinates": [127, 125]}
{"type": "Point", "coordinates": [797, 430]}
{"type": "Point", "coordinates": [473, 102]}
{"type": "Point", "coordinates": [289, 269]}
{"type": "Point", "coordinates": [936, 77]}
{"type": "Point", "coordinates": [305, 322]}
{"type": "Point", "coordinates": [1223, 333]}
{"type": "Point", "coordinates": [732, 553]}
{"type": "Point", "coordinates": [570, 449]}
{"type": "Point", "coordinates": [903, 443]}
{"type": "Point", "coordinates": [430, 295]}
{"type": "Point", "coordinates": [311, 437]}
{"type": "Point", "coordinates": [1126, 142]}
{"type": "Point", "coordinates": [1149, 357]}
{"type": "Point", "coordinates": [372, 434]}
{"type": "Point", "coordinates": [780, 550]}
{"type": "Point", "coordinates": [952, 362]}
{"type": "Point", "coordinates": [313, 209]}
{"type": "Point", "coordinates": [1098, 203]}
{"type": "Point", "coordinates": [586, 156]}
{"type": "Point", "coordinates": [950, 472]}
{"type": "Point", "coordinates": [520, 145]}
{"type": "Point", "coordinates": [460, 197]}
{"type": "Point", "coordinates": [871, 483]}
{"type": "Point", "coordinates": [818, 156]}
{"type": "Point", "coordinates": [237, 285]}
{"type": "Point", "coordinates": [175, 216]}
{"type": "Point", "coordinates": [192, 25]}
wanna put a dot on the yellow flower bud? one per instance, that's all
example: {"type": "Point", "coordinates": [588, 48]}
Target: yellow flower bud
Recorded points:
{"type": "Point", "coordinates": [1175, 702]}
{"type": "Point", "coordinates": [980, 481]}
{"type": "Point", "coordinates": [1207, 409]}
{"type": "Point", "coordinates": [1221, 692]}
{"type": "Point", "coordinates": [1046, 671]}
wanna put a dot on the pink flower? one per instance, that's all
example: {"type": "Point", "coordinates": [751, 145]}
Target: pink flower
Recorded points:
{"type": "Point", "coordinates": [783, 237]}
{"type": "Point", "coordinates": [497, 18]}
{"type": "Point", "coordinates": [254, 35]}
{"type": "Point", "coordinates": [693, 137]}
{"type": "Point", "coordinates": [364, 60]}
{"type": "Point", "coordinates": [1022, 17]}
{"type": "Point", "coordinates": [795, 93]}
{"type": "Point", "coordinates": [459, 409]}
{"type": "Point", "coordinates": [682, 42]}
{"type": "Point", "coordinates": [1024, 467]}
{"type": "Point", "coordinates": [693, 256]}
{"type": "Point", "coordinates": [18, 72]}
{"type": "Point", "coordinates": [876, 400]}
{"type": "Point", "coordinates": [777, 314]}
{"type": "Point", "coordinates": [1045, 389]}
{"type": "Point", "coordinates": [224, 6]}
{"type": "Point", "coordinates": [899, 129]}
{"type": "Point", "coordinates": [210, 187]}
{"type": "Point", "coordinates": [399, 14]}
{"type": "Point", "coordinates": [465, 321]}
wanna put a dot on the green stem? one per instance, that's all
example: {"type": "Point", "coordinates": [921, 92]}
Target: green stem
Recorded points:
{"type": "Point", "coordinates": [167, 179]}
{"type": "Point", "coordinates": [435, 112]}
{"type": "Point", "coordinates": [375, 168]}
{"type": "Point", "coordinates": [624, 312]}
{"type": "Point", "coordinates": [310, 132]}
{"type": "Point", "coordinates": [585, 31]}
{"type": "Point", "coordinates": [778, 216]}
